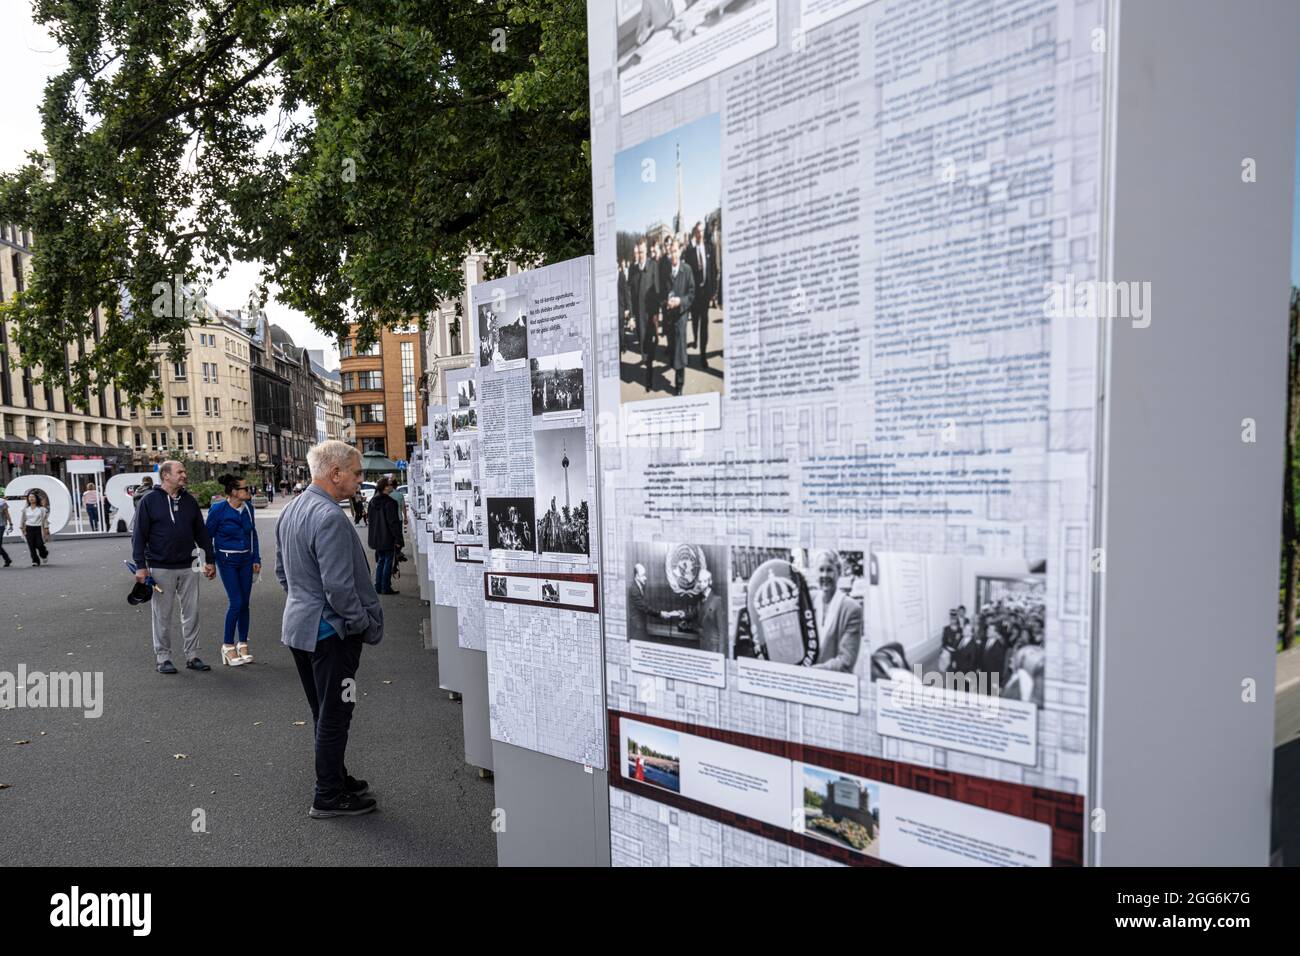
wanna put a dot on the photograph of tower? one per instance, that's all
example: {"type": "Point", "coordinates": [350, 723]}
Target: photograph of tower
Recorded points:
{"type": "Point", "coordinates": [561, 501]}
{"type": "Point", "coordinates": [668, 212]}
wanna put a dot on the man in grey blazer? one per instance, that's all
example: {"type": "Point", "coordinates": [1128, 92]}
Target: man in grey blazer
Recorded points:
{"type": "Point", "coordinates": [331, 612]}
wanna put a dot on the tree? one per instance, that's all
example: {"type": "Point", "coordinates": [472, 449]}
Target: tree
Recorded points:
{"type": "Point", "coordinates": [358, 149]}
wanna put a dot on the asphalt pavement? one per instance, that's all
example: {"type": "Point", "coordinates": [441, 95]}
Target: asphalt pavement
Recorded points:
{"type": "Point", "coordinates": [216, 768]}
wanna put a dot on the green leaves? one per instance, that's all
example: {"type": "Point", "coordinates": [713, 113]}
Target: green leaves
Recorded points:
{"type": "Point", "coordinates": [359, 150]}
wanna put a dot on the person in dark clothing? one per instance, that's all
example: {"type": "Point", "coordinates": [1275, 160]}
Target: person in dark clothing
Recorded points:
{"type": "Point", "coordinates": [168, 527]}
{"type": "Point", "coordinates": [385, 536]}
{"type": "Point", "coordinates": [358, 508]}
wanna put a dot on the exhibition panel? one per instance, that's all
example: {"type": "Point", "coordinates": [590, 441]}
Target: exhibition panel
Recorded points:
{"type": "Point", "coordinates": [848, 583]}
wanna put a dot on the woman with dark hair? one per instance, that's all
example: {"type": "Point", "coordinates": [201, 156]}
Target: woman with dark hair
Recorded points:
{"type": "Point", "coordinates": [35, 519]}
{"type": "Point", "coordinates": [234, 540]}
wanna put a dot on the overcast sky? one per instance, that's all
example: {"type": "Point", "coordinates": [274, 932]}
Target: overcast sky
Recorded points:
{"type": "Point", "coordinates": [28, 56]}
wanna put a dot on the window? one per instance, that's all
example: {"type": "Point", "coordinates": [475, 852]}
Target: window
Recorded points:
{"type": "Point", "coordinates": [182, 405]}
{"type": "Point", "coordinates": [139, 439]}
{"type": "Point", "coordinates": [371, 414]}
{"type": "Point", "coordinates": [408, 383]}
{"type": "Point", "coordinates": [218, 441]}
{"type": "Point", "coordinates": [209, 441]}
{"type": "Point", "coordinates": [216, 410]}
{"type": "Point", "coordinates": [374, 444]}
{"type": "Point", "coordinates": [189, 441]}
{"type": "Point", "coordinates": [178, 371]}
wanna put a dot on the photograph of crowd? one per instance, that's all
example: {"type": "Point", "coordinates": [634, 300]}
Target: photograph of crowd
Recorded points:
{"type": "Point", "coordinates": [439, 427]}
{"type": "Point", "coordinates": [502, 331]}
{"type": "Point", "coordinates": [668, 199]}
{"type": "Point", "coordinates": [677, 595]}
{"type": "Point", "coordinates": [497, 585]}
{"type": "Point", "coordinates": [981, 620]}
{"type": "Point", "coordinates": [462, 450]}
{"type": "Point", "coordinates": [557, 383]}
{"type": "Point", "coordinates": [464, 482]}
{"type": "Point", "coordinates": [560, 462]}
{"type": "Point", "coordinates": [777, 588]}
{"type": "Point", "coordinates": [465, 394]}
{"type": "Point", "coordinates": [510, 525]}
{"type": "Point", "coordinates": [466, 421]}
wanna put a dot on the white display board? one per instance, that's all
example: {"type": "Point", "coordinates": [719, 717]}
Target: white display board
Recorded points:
{"type": "Point", "coordinates": [859, 398]}
{"type": "Point", "coordinates": [540, 589]}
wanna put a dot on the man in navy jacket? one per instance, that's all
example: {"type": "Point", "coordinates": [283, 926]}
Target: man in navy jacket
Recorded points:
{"type": "Point", "coordinates": [168, 528]}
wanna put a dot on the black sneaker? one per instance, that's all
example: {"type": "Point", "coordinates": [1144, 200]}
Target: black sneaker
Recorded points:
{"type": "Point", "coordinates": [344, 805]}
{"type": "Point", "coordinates": [166, 667]}
{"type": "Point", "coordinates": [358, 788]}
{"type": "Point", "coordinates": [197, 665]}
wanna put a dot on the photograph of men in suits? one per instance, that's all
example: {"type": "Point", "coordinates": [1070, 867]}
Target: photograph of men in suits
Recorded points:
{"type": "Point", "coordinates": [699, 257]}
{"type": "Point", "coordinates": [709, 618]}
{"type": "Point", "coordinates": [678, 297]}
{"type": "Point", "coordinates": [638, 610]}
{"type": "Point", "coordinates": [644, 287]}
{"type": "Point", "coordinates": [668, 206]}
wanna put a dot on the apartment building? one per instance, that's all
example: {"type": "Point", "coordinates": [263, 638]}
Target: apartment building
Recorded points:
{"type": "Point", "coordinates": [381, 389]}
{"type": "Point", "coordinates": [205, 414]}
{"type": "Point", "coordinates": [41, 427]}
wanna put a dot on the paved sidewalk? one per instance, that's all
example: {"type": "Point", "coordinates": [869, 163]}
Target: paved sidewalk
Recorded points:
{"type": "Point", "coordinates": [113, 791]}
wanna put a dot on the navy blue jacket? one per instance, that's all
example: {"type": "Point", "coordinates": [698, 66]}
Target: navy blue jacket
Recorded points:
{"type": "Point", "coordinates": [233, 530]}
{"type": "Point", "coordinates": [166, 531]}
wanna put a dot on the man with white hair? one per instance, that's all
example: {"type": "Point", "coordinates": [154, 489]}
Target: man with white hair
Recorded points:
{"type": "Point", "coordinates": [332, 611]}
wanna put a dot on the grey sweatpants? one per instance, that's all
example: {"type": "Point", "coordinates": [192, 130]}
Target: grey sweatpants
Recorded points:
{"type": "Point", "coordinates": [176, 583]}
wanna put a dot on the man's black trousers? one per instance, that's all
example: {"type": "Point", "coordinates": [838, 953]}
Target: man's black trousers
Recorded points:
{"type": "Point", "coordinates": [323, 672]}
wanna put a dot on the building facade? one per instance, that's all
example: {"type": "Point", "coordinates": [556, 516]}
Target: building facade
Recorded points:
{"type": "Point", "coordinates": [41, 427]}
{"type": "Point", "coordinates": [449, 334]}
{"type": "Point", "coordinates": [381, 391]}
{"type": "Point", "coordinates": [205, 416]}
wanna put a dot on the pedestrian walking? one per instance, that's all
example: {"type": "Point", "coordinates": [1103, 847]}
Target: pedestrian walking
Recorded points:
{"type": "Point", "coordinates": [385, 534]}
{"type": "Point", "coordinates": [90, 501]}
{"type": "Point", "coordinates": [234, 542]}
{"type": "Point", "coordinates": [331, 612]}
{"type": "Point", "coordinates": [168, 527]}
{"type": "Point", "coordinates": [6, 525]}
{"type": "Point", "coordinates": [358, 508]}
{"type": "Point", "coordinates": [36, 528]}
{"type": "Point", "coordinates": [270, 493]}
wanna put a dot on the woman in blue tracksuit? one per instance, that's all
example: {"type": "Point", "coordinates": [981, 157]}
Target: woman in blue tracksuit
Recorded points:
{"type": "Point", "coordinates": [234, 540]}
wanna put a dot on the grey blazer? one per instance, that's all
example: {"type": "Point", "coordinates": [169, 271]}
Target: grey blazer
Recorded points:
{"type": "Point", "coordinates": [319, 561]}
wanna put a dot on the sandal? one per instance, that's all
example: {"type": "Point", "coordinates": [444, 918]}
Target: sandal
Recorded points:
{"type": "Point", "coordinates": [230, 656]}
{"type": "Point", "coordinates": [242, 649]}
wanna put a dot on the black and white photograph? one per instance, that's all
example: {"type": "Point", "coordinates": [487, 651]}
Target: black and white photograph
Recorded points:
{"type": "Point", "coordinates": [446, 456]}
{"type": "Point", "coordinates": [497, 586]}
{"type": "Point", "coordinates": [462, 450]}
{"type": "Point", "coordinates": [677, 595]}
{"type": "Point", "coordinates": [653, 31]}
{"type": "Point", "coordinates": [467, 520]}
{"type": "Point", "coordinates": [550, 592]}
{"type": "Point", "coordinates": [977, 621]}
{"type": "Point", "coordinates": [557, 384]}
{"type": "Point", "coordinates": [463, 482]}
{"type": "Point", "coordinates": [670, 263]}
{"type": "Point", "coordinates": [510, 525]}
{"type": "Point", "coordinates": [503, 331]}
{"type": "Point", "coordinates": [438, 425]}
{"type": "Point", "coordinates": [465, 421]}
{"type": "Point", "coordinates": [467, 554]}
{"type": "Point", "coordinates": [446, 515]}
{"type": "Point", "coordinates": [799, 606]}
{"type": "Point", "coordinates": [465, 393]}
{"type": "Point", "coordinates": [560, 475]}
